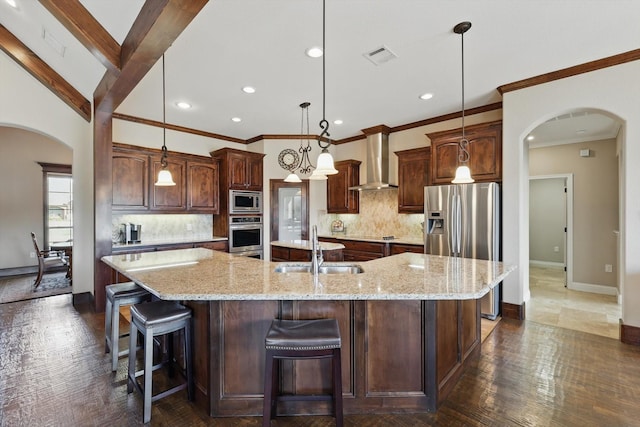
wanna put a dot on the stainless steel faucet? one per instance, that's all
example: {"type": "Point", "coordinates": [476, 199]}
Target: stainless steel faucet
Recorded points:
{"type": "Point", "coordinates": [316, 252]}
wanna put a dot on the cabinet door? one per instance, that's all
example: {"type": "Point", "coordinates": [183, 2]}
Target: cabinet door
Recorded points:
{"type": "Point", "coordinates": [130, 181]}
{"type": "Point", "coordinates": [413, 176]}
{"type": "Point", "coordinates": [254, 167]}
{"type": "Point", "coordinates": [339, 198]}
{"type": "Point", "coordinates": [172, 198]}
{"type": "Point", "coordinates": [237, 171]}
{"type": "Point", "coordinates": [485, 151]}
{"type": "Point", "coordinates": [202, 187]}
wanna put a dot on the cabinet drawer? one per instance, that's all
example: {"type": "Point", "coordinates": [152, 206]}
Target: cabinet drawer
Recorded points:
{"type": "Point", "coordinates": [364, 246]}
{"type": "Point", "coordinates": [398, 248]}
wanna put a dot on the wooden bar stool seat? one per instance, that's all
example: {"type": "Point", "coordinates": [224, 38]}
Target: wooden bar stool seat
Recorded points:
{"type": "Point", "coordinates": [298, 340]}
{"type": "Point", "coordinates": [151, 320]}
{"type": "Point", "coordinates": [119, 294]}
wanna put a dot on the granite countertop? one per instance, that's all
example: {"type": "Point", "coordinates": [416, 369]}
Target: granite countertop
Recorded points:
{"type": "Point", "coordinates": [162, 242]}
{"type": "Point", "coordinates": [306, 245]}
{"type": "Point", "coordinates": [409, 240]}
{"type": "Point", "coordinates": [203, 274]}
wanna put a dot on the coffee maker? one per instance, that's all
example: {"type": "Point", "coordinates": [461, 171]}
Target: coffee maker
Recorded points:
{"type": "Point", "coordinates": [132, 233]}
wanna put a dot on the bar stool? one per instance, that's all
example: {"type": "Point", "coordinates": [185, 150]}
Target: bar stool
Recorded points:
{"type": "Point", "coordinates": [154, 319]}
{"type": "Point", "coordinates": [118, 295]}
{"type": "Point", "coordinates": [301, 339]}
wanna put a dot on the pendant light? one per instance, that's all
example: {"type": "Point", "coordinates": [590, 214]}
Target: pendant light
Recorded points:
{"type": "Point", "coordinates": [463, 173]}
{"type": "Point", "coordinates": [164, 176]}
{"type": "Point", "coordinates": [325, 160]}
{"type": "Point", "coordinates": [305, 163]}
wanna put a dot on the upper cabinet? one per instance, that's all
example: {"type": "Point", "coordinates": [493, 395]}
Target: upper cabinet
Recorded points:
{"type": "Point", "coordinates": [173, 197]}
{"type": "Point", "coordinates": [130, 180]}
{"type": "Point", "coordinates": [485, 149]}
{"type": "Point", "coordinates": [339, 198]}
{"type": "Point", "coordinates": [134, 172]}
{"type": "Point", "coordinates": [413, 175]}
{"type": "Point", "coordinates": [239, 170]}
{"type": "Point", "coordinates": [202, 186]}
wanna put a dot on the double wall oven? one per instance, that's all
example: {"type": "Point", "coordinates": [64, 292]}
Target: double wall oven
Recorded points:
{"type": "Point", "coordinates": [246, 235]}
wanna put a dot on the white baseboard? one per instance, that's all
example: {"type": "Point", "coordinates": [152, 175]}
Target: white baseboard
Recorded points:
{"type": "Point", "coordinates": [546, 263]}
{"type": "Point", "coordinates": [595, 289]}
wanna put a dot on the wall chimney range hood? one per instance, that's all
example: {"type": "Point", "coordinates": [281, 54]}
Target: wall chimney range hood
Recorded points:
{"type": "Point", "coordinates": [377, 159]}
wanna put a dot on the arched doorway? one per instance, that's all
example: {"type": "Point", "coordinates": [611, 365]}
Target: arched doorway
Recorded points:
{"type": "Point", "coordinates": [577, 147]}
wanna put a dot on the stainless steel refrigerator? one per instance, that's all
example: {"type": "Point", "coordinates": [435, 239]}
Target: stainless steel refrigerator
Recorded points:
{"type": "Point", "coordinates": [464, 220]}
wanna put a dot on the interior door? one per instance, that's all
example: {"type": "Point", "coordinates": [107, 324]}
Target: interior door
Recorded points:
{"type": "Point", "coordinates": [289, 210]}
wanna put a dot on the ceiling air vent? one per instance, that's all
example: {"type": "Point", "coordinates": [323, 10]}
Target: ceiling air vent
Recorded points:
{"type": "Point", "coordinates": [380, 55]}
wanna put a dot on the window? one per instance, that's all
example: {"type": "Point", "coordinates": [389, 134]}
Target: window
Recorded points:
{"type": "Point", "coordinates": [58, 203]}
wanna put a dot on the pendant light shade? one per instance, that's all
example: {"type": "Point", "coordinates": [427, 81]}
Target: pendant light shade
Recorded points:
{"type": "Point", "coordinates": [164, 176]}
{"type": "Point", "coordinates": [325, 164]}
{"type": "Point", "coordinates": [463, 173]}
{"type": "Point", "coordinates": [164, 179]}
{"type": "Point", "coordinates": [292, 177]}
{"type": "Point", "coordinates": [316, 176]}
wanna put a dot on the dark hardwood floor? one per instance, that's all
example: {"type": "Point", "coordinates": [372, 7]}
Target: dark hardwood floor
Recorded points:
{"type": "Point", "coordinates": [53, 372]}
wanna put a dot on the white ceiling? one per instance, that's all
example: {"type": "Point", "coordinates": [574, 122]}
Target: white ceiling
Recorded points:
{"type": "Point", "coordinates": [233, 43]}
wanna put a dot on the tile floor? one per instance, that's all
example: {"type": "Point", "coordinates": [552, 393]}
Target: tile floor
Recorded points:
{"type": "Point", "coordinates": [553, 304]}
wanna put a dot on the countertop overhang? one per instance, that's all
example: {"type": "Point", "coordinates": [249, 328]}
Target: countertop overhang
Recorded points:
{"type": "Point", "coordinates": [204, 274]}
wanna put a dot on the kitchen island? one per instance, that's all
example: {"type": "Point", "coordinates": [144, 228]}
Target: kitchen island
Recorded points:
{"type": "Point", "coordinates": [409, 325]}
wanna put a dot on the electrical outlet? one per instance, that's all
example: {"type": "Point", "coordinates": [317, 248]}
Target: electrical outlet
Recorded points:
{"type": "Point", "coordinates": [608, 268]}
{"type": "Point", "coordinates": [32, 254]}
{"type": "Point", "coordinates": [556, 249]}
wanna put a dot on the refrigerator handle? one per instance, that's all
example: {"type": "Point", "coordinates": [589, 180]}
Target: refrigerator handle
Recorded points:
{"type": "Point", "coordinates": [458, 224]}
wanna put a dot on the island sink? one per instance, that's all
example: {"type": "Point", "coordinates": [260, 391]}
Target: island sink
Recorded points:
{"type": "Point", "coordinates": [326, 268]}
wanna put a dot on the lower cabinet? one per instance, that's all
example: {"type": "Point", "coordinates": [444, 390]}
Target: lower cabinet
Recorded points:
{"type": "Point", "coordinates": [397, 356]}
{"type": "Point", "coordinates": [359, 250]}
{"type": "Point", "coordinates": [281, 254]}
{"type": "Point", "coordinates": [399, 248]}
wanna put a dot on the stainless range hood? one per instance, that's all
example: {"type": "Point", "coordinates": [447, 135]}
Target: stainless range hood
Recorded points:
{"type": "Point", "coordinates": [377, 160]}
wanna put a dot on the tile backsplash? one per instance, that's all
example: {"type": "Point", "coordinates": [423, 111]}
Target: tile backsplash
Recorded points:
{"type": "Point", "coordinates": [166, 227]}
{"type": "Point", "coordinates": [378, 217]}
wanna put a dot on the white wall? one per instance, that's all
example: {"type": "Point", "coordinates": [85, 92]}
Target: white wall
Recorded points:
{"type": "Point", "coordinates": [25, 103]}
{"type": "Point", "coordinates": [613, 90]}
{"type": "Point", "coordinates": [21, 206]}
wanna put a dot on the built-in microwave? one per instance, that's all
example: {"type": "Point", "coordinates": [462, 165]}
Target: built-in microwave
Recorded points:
{"type": "Point", "coordinates": [245, 202]}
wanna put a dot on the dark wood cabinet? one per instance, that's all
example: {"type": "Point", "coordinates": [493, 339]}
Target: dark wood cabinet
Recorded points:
{"type": "Point", "coordinates": [135, 170]}
{"type": "Point", "coordinates": [339, 198]}
{"type": "Point", "coordinates": [239, 170]}
{"type": "Point", "coordinates": [281, 254]}
{"type": "Point", "coordinates": [202, 187]}
{"type": "Point", "coordinates": [219, 245]}
{"type": "Point", "coordinates": [169, 198]}
{"type": "Point", "coordinates": [414, 173]}
{"type": "Point", "coordinates": [399, 248]}
{"type": "Point", "coordinates": [130, 180]}
{"type": "Point", "coordinates": [359, 250]}
{"type": "Point", "coordinates": [399, 356]}
{"type": "Point", "coordinates": [485, 150]}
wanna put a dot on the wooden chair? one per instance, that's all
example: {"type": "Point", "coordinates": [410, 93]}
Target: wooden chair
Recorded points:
{"type": "Point", "coordinates": [47, 260]}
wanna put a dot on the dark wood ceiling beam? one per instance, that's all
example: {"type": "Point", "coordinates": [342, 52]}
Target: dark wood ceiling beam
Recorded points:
{"type": "Point", "coordinates": [75, 18]}
{"type": "Point", "coordinates": [158, 24]}
{"type": "Point", "coordinates": [46, 75]}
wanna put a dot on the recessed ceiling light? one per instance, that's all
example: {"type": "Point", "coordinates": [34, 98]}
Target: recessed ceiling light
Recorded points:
{"type": "Point", "coordinates": [236, 119]}
{"type": "Point", "coordinates": [183, 105]}
{"type": "Point", "coordinates": [314, 52]}
{"type": "Point", "coordinates": [248, 89]}
{"type": "Point", "coordinates": [531, 138]}
{"type": "Point", "coordinates": [581, 131]}
{"type": "Point", "coordinates": [426, 96]}
{"type": "Point", "coordinates": [337, 122]}
{"type": "Point", "coordinates": [12, 3]}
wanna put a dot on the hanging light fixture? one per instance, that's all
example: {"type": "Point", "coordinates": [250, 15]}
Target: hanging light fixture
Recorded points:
{"type": "Point", "coordinates": [305, 165]}
{"type": "Point", "coordinates": [164, 176]}
{"type": "Point", "coordinates": [325, 160]}
{"type": "Point", "coordinates": [463, 173]}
